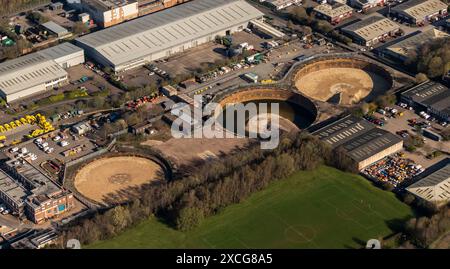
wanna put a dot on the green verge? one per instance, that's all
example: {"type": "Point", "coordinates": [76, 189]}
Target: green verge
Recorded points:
{"type": "Point", "coordinates": [324, 208]}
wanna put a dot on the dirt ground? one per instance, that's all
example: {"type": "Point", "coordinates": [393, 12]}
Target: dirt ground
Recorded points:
{"type": "Point", "coordinates": [115, 177]}
{"type": "Point", "coordinates": [184, 151]}
{"type": "Point", "coordinates": [353, 84]}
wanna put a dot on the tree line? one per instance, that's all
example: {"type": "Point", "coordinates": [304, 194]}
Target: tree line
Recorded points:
{"type": "Point", "coordinates": [185, 201]}
{"type": "Point", "coordinates": [432, 58]}
{"type": "Point", "coordinates": [10, 6]}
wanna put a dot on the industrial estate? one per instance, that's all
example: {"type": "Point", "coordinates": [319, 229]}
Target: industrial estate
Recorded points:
{"type": "Point", "coordinates": [90, 89]}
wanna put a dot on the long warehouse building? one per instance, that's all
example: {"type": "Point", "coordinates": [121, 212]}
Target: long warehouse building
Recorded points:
{"type": "Point", "coordinates": [37, 72]}
{"type": "Point", "coordinates": [162, 34]}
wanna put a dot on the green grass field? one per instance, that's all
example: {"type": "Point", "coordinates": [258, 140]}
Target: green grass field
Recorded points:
{"type": "Point", "coordinates": [325, 208]}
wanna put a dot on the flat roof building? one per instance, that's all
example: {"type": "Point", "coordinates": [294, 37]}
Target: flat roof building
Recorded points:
{"type": "Point", "coordinates": [334, 13]}
{"type": "Point", "coordinates": [363, 142]}
{"type": "Point", "coordinates": [420, 11]}
{"type": "Point", "coordinates": [56, 29]}
{"type": "Point", "coordinates": [107, 13]}
{"type": "Point", "coordinates": [372, 30]}
{"type": "Point", "coordinates": [165, 33]}
{"type": "Point", "coordinates": [65, 55]}
{"type": "Point", "coordinates": [402, 49]}
{"type": "Point", "coordinates": [282, 4]}
{"type": "Point", "coordinates": [429, 96]}
{"type": "Point", "coordinates": [40, 198]}
{"type": "Point", "coordinates": [151, 6]}
{"type": "Point", "coordinates": [365, 5]}
{"type": "Point", "coordinates": [434, 188]}
{"type": "Point", "coordinates": [34, 73]}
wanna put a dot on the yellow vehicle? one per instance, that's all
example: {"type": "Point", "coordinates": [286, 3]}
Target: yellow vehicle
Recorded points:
{"type": "Point", "coordinates": [13, 125]}
{"type": "Point", "coordinates": [7, 127]}
{"type": "Point", "coordinates": [267, 81]}
{"type": "Point", "coordinates": [2, 138]}
{"type": "Point", "coordinates": [2, 129]}
{"type": "Point", "coordinates": [18, 122]}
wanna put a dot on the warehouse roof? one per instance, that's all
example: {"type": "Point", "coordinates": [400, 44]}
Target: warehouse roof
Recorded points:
{"type": "Point", "coordinates": [370, 143]}
{"type": "Point", "coordinates": [343, 130]}
{"type": "Point", "coordinates": [434, 187]}
{"type": "Point", "coordinates": [427, 92]}
{"type": "Point", "coordinates": [430, 94]}
{"type": "Point", "coordinates": [407, 45]}
{"type": "Point", "coordinates": [28, 71]}
{"type": "Point", "coordinates": [358, 137]}
{"type": "Point", "coordinates": [333, 10]}
{"type": "Point", "coordinates": [60, 51]}
{"type": "Point", "coordinates": [168, 28]}
{"type": "Point", "coordinates": [55, 28]}
{"type": "Point", "coordinates": [372, 27]}
{"type": "Point", "coordinates": [419, 9]}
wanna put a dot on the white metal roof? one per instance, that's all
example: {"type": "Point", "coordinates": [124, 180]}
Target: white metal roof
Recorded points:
{"type": "Point", "coordinates": [28, 71]}
{"type": "Point", "coordinates": [61, 50]}
{"type": "Point", "coordinates": [55, 28]}
{"type": "Point", "coordinates": [435, 187]}
{"type": "Point", "coordinates": [168, 28]}
{"type": "Point", "coordinates": [333, 10]}
{"type": "Point", "coordinates": [372, 27]}
{"type": "Point", "coordinates": [419, 9]}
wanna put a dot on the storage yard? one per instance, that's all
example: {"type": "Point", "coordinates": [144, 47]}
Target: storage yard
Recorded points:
{"type": "Point", "coordinates": [393, 170]}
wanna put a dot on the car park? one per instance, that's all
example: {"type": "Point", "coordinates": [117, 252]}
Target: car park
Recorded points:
{"type": "Point", "coordinates": [63, 143]}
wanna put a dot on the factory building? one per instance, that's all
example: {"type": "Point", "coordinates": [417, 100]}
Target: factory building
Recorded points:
{"type": "Point", "coordinates": [281, 4]}
{"type": "Point", "coordinates": [365, 5]}
{"type": "Point", "coordinates": [362, 141]}
{"type": "Point", "coordinates": [165, 33]}
{"type": "Point", "coordinates": [26, 191]}
{"type": "Point", "coordinates": [372, 30]}
{"type": "Point", "coordinates": [434, 188]}
{"type": "Point", "coordinates": [56, 29]}
{"type": "Point", "coordinates": [420, 12]}
{"type": "Point", "coordinates": [429, 96]}
{"type": "Point", "coordinates": [107, 13]}
{"type": "Point", "coordinates": [400, 50]}
{"type": "Point", "coordinates": [65, 55]}
{"type": "Point", "coordinates": [334, 13]}
{"type": "Point", "coordinates": [151, 6]}
{"type": "Point", "coordinates": [34, 73]}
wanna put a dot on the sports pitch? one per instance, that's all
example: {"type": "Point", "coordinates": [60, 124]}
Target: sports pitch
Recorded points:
{"type": "Point", "coordinates": [325, 208]}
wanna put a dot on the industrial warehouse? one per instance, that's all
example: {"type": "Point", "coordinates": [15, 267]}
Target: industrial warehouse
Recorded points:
{"type": "Point", "coordinates": [434, 188]}
{"type": "Point", "coordinates": [34, 73]}
{"type": "Point", "coordinates": [432, 97]}
{"type": "Point", "coordinates": [363, 142]}
{"type": "Point", "coordinates": [420, 12]}
{"type": "Point", "coordinates": [333, 13]}
{"type": "Point", "coordinates": [165, 33]}
{"type": "Point", "coordinates": [372, 30]}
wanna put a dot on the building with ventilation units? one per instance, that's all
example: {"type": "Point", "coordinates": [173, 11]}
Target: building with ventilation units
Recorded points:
{"type": "Point", "coordinates": [32, 74]}
{"type": "Point", "coordinates": [361, 140]}
{"type": "Point", "coordinates": [165, 33]}
{"type": "Point", "coordinates": [372, 30]}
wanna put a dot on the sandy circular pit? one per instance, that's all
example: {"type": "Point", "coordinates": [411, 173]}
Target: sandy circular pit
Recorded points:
{"type": "Point", "coordinates": [353, 84]}
{"type": "Point", "coordinates": [104, 178]}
